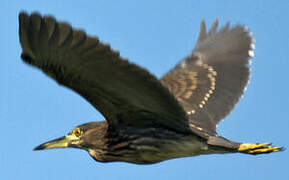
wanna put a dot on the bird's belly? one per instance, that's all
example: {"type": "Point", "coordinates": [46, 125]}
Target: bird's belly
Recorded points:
{"type": "Point", "coordinates": [149, 153]}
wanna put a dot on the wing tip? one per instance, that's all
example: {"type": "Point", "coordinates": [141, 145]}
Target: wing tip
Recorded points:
{"type": "Point", "coordinates": [25, 15]}
{"type": "Point", "coordinates": [25, 20]}
{"type": "Point", "coordinates": [203, 31]}
{"type": "Point", "coordinates": [22, 15]}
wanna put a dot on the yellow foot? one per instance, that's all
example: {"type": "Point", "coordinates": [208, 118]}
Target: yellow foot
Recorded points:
{"type": "Point", "coordinates": [258, 148]}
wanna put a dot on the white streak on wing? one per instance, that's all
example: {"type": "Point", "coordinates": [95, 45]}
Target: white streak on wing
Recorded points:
{"type": "Point", "coordinates": [183, 64]}
{"type": "Point", "coordinates": [251, 53]}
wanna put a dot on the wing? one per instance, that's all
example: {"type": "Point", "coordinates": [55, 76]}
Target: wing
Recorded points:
{"type": "Point", "coordinates": [212, 79]}
{"type": "Point", "coordinates": [124, 93]}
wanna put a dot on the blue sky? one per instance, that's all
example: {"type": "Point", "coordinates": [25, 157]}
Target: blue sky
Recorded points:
{"type": "Point", "coordinates": [156, 35]}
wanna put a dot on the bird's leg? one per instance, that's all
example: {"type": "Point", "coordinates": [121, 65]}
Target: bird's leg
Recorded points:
{"type": "Point", "coordinates": [258, 148]}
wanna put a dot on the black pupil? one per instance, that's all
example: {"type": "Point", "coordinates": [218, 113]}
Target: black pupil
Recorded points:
{"type": "Point", "coordinates": [77, 132]}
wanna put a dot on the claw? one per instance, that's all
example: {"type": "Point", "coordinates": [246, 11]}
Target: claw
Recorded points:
{"type": "Point", "coordinates": [258, 148]}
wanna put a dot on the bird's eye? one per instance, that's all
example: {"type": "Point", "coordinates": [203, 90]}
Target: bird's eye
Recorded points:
{"type": "Point", "coordinates": [77, 132]}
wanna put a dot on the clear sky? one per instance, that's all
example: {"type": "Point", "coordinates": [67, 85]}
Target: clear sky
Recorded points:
{"type": "Point", "coordinates": [156, 35]}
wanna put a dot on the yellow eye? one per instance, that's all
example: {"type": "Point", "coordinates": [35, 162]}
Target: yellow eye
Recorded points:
{"type": "Point", "coordinates": [77, 132]}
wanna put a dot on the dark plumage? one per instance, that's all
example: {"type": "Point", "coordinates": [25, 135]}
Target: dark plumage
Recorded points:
{"type": "Point", "coordinates": [147, 120]}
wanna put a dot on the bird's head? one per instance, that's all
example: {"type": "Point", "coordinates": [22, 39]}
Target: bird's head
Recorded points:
{"type": "Point", "coordinates": [84, 136]}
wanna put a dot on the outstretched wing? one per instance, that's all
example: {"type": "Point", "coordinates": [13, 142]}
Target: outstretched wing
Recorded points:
{"type": "Point", "coordinates": [212, 79]}
{"type": "Point", "coordinates": [123, 92]}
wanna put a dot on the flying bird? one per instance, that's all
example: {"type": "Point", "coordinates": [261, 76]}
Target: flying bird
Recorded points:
{"type": "Point", "coordinates": [147, 120]}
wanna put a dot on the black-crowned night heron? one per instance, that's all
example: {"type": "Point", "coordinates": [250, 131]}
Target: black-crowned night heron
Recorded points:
{"type": "Point", "coordinates": [148, 120]}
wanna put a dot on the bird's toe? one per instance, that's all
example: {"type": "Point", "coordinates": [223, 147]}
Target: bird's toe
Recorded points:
{"type": "Point", "coordinates": [258, 148]}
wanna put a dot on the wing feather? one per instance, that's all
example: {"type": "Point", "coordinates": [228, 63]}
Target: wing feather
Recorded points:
{"type": "Point", "coordinates": [124, 93]}
{"type": "Point", "coordinates": [212, 79]}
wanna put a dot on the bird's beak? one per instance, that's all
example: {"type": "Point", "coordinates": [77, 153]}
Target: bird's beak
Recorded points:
{"type": "Point", "coordinates": [61, 142]}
